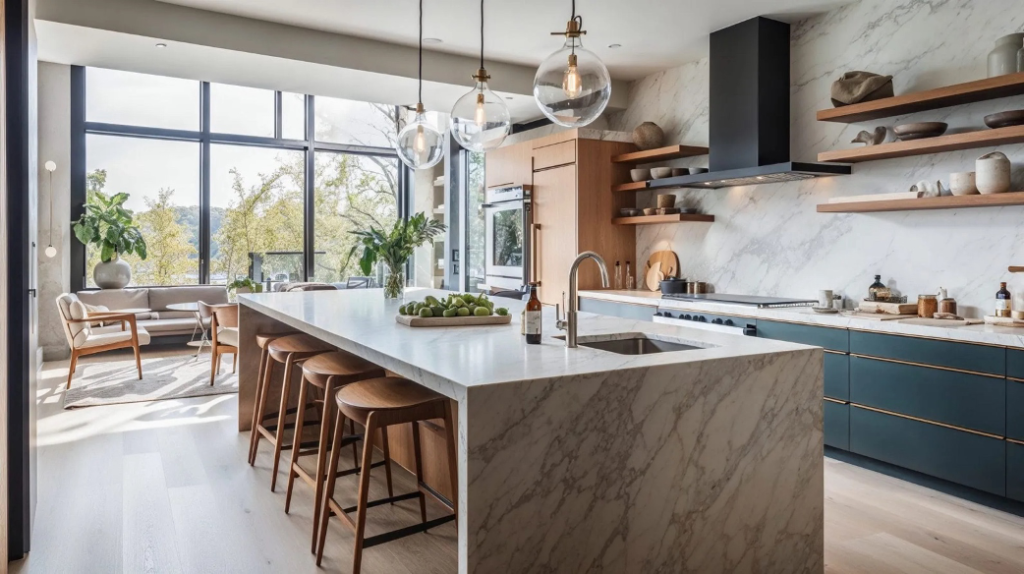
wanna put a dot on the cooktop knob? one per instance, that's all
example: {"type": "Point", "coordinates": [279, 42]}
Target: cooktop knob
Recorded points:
{"type": "Point", "coordinates": [718, 322]}
{"type": "Point", "coordinates": [687, 317]}
{"type": "Point", "coordinates": [702, 319]}
{"type": "Point", "coordinates": [729, 322]}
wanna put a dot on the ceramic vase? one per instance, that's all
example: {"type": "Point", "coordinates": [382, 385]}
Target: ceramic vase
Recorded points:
{"type": "Point", "coordinates": [649, 136]}
{"type": "Point", "coordinates": [963, 183]}
{"type": "Point", "coordinates": [992, 173]}
{"type": "Point", "coordinates": [113, 274]}
{"type": "Point", "coordinates": [1002, 59]}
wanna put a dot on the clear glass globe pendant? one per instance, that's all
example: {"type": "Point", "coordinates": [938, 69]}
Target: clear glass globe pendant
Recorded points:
{"type": "Point", "coordinates": [572, 86]}
{"type": "Point", "coordinates": [420, 144]}
{"type": "Point", "coordinates": [480, 119]}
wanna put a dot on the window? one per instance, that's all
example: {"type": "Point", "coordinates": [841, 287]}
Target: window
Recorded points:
{"type": "Point", "coordinates": [115, 97]}
{"type": "Point", "coordinates": [162, 180]}
{"type": "Point", "coordinates": [476, 224]}
{"type": "Point", "coordinates": [240, 110]}
{"type": "Point", "coordinates": [356, 123]}
{"type": "Point", "coordinates": [293, 116]}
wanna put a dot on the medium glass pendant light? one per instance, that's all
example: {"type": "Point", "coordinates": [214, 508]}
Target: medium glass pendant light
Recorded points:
{"type": "Point", "coordinates": [480, 119]}
{"type": "Point", "coordinates": [420, 145]}
{"type": "Point", "coordinates": [572, 86]}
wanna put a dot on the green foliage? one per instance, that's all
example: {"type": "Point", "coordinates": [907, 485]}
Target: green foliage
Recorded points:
{"type": "Point", "coordinates": [107, 224]}
{"type": "Point", "coordinates": [172, 256]}
{"type": "Point", "coordinates": [243, 282]}
{"type": "Point", "coordinates": [395, 247]}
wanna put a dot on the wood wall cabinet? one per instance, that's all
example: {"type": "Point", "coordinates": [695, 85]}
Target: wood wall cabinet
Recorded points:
{"type": "Point", "coordinates": [554, 231]}
{"type": "Point", "coordinates": [509, 165]}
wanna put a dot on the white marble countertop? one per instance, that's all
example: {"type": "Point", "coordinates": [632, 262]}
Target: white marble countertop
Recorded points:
{"type": "Point", "coordinates": [979, 333]}
{"type": "Point", "coordinates": [363, 322]}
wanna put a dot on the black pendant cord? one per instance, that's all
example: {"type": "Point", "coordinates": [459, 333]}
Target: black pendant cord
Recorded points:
{"type": "Point", "coordinates": [482, 34]}
{"type": "Point", "coordinates": [419, 94]}
{"type": "Point", "coordinates": [579, 23]}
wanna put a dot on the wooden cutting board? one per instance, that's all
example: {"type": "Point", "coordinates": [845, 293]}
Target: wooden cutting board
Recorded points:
{"type": "Point", "coordinates": [453, 321]}
{"type": "Point", "coordinates": [669, 264]}
{"type": "Point", "coordinates": [654, 277]}
{"type": "Point", "coordinates": [889, 308]}
{"type": "Point", "coordinates": [1003, 321]}
{"type": "Point", "coordinates": [879, 316]}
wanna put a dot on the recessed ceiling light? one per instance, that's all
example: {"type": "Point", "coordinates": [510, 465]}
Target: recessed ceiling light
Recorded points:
{"type": "Point", "coordinates": [508, 97]}
{"type": "Point", "coordinates": [432, 40]}
{"type": "Point", "coordinates": [161, 45]}
{"type": "Point", "coordinates": [614, 46]}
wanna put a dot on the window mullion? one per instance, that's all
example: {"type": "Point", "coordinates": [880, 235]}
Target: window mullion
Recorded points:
{"type": "Point", "coordinates": [204, 184]}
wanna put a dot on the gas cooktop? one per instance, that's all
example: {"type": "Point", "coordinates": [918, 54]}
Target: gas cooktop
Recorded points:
{"type": "Point", "coordinates": [748, 300]}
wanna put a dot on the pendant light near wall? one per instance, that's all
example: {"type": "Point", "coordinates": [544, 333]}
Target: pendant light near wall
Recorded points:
{"type": "Point", "coordinates": [572, 86]}
{"type": "Point", "coordinates": [50, 250]}
{"type": "Point", "coordinates": [420, 145]}
{"type": "Point", "coordinates": [480, 119]}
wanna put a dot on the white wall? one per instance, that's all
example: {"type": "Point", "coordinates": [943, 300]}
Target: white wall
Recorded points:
{"type": "Point", "coordinates": [769, 239]}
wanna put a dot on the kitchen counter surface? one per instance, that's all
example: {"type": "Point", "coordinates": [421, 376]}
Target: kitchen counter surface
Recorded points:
{"type": "Point", "coordinates": [979, 333]}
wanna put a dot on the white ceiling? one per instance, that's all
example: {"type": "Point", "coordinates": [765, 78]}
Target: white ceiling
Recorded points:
{"type": "Point", "coordinates": [654, 34]}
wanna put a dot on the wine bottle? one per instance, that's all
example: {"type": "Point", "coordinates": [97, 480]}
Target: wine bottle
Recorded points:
{"type": "Point", "coordinates": [876, 288]}
{"type": "Point", "coordinates": [618, 277]}
{"type": "Point", "coordinates": [1002, 301]}
{"type": "Point", "coordinates": [533, 317]}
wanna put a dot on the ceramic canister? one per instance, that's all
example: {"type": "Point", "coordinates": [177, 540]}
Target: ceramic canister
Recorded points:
{"type": "Point", "coordinates": [992, 173]}
{"type": "Point", "coordinates": [1002, 59]}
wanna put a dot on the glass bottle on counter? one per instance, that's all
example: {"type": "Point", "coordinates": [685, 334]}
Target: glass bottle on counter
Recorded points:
{"type": "Point", "coordinates": [876, 289]}
{"type": "Point", "coordinates": [1003, 301]}
{"type": "Point", "coordinates": [533, 317]}
{"type": "Point", "coordinates": [618, 276]}
{"type": "Point", "coordinates": [629, 278]}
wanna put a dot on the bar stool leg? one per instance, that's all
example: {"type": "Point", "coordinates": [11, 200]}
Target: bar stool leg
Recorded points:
{"type": "Point", "coordinates": [255, 410]}
{"type": "Point", "coordinates": [300, 419]}
{"type": "Point", "coordinates": [332, 477]}
{"type": "Point", "coordinates": [281, 415]}
{"type": "Point", "coordinates": [321, 458]}
{"type": "Point", "coordinates": [355, 448]}
{"type": "Point", "coordinates": [419, 469]}
{"type": "Point", "coordinates": [364, 491]}
{"type": "Point", "coordinates": [387, 460]}
{"type": "Point", "coordinates": [261, 408]}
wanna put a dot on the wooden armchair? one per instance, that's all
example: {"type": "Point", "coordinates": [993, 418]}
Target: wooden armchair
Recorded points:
{"type": "Point", "coordinates": [224, 329]}
{"type": "Point", "coordinates": [85, 338]}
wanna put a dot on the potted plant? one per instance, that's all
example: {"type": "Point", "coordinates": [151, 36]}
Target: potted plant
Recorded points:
{"type": "Point", "coordinates": [394, 248]}
{"type": "Point", "coordinates": [107, 224]}
{"type": "Point", "coordinates": [243, 285]}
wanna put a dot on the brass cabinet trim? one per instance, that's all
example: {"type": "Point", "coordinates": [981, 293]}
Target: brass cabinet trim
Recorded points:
{"type": "Point", "coordinates": [927, 338]}
{"type": "Point", "coordinates": [926, 421]}
{"type": "Point", "coordinates": [1015, 441]}
{"type": "Point", "coordinates": [837, 401]}
{"type": "Point", "coordinates": [927, 366]}
{"type": "Point", "coordinates": [834, 352]}
{"type": "Point", "coordinates": [1015, 379]}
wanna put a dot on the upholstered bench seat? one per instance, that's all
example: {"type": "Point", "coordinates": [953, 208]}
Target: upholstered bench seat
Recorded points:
{"type": "Point", "coordinates": [113, 334]}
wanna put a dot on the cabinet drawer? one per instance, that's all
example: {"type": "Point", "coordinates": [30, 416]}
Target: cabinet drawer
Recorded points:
{"type": "Point", "coordinates": [554, 155]}
{"type": "Point", "coordinates": [957, 456]}
{"type": "Point", "coordinates": [1015, 471]}
{"type": "Point", "coordinates": [837, 376]}
{"type": "Point", "coordinates": [837, 425]}
{"type": "Point", "coordinates": [832, 339]}
{"type": "Point", "coordinates": [1015, 363]}
{"type": "Point", "coordinates": [624, 310]}
{"type": "Point", "coordinates": [977, 358]}
{"type": "Point", "coordinates": [971, 401]}
{"type": "Point", "coordinates": [1015, 410]}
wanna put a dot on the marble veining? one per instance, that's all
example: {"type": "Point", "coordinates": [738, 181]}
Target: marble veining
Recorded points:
{"type": "Point", "coordinates": [769, 240]}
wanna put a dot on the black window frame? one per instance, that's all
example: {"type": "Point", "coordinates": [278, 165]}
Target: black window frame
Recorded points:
{"type": "Point", "coordinates": [81, 127]}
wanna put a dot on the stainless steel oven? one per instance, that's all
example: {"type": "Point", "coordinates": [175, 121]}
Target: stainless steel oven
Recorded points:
{"type": "Point", "coordinates": [508, 215]}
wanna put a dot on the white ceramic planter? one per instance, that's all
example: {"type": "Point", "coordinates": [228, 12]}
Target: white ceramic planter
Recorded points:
{"type": "Point", "coordinates": [963, 183]}
{"type": "Point", "coordinates": [993, 173]}
{"type": "Point", "coordinates": [115, 274]}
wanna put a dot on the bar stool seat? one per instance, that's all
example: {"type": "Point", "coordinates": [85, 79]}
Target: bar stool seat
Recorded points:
{"type": "Point", "coordinates": [327, 373]}
{"type": "Point", "coordinates": [289, 351]}
{"type": "Point", "coordinates": [378, 404]}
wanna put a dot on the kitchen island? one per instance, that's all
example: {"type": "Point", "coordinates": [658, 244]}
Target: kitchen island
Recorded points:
{"type": "Point", "coordinates": [586, 460]}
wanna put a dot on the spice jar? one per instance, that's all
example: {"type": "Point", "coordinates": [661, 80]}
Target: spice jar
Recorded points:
{"type": "Point", "coordinates": [927, 306]}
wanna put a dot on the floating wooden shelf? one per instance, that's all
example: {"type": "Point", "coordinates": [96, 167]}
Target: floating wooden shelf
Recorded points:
{"type": "Point", "coordinates": [977, 91]}
{"type": "Point", "coordinates": [951, 142]}
{"type": "Point", "coordinates": [675, 218]}
{"type": "Point", "coordinates": [660, 154]}
{"type": "Point", "coordinates": [634, 186]}
{"type": "Point", "coordinates": [945, 202]}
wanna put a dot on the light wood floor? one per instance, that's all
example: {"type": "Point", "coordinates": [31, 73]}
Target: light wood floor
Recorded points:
{"type": "Point", "coordinates": [164, 487]}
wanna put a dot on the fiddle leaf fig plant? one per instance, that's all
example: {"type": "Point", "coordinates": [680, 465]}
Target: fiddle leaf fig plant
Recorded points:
{"type": "Point", "coordinates": [108, 224]}
{"type": "Point", "coordinates": [395, 247]}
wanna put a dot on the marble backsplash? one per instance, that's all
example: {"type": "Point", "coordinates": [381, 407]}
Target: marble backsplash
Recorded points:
{"type": "Point", "coordinates": [769, 240]}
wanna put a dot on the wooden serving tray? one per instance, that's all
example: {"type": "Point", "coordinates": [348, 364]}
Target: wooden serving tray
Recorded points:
{"type": "Point", "coordinates": [453, 321]}
{"type": "Point", "coordinates": [880, 316]}
{"type": "Point", "coordinates": [890, 308]}
{"type": "Point", "coordinates": [1003, 321]}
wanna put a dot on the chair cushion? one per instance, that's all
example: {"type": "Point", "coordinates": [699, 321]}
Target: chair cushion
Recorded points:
{"type": "Point", "coordinates": [227, 336]}
{"type": "Point", "coordinates": [161, 297]}
{"type": "Point", "coordinates": [161, 315]}
{"type": "Point", "coordinates": [113, 334]}
{"type": "Point", "coordinates": [165, 326]}
{"type": "Point", "coordinates": [114, 299]}
{"type": "Point", "coordinates": [79, 331]}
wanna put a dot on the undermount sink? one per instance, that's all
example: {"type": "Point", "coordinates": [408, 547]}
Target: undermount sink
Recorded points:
{"type": "Point", "coordinates": [637, 346]}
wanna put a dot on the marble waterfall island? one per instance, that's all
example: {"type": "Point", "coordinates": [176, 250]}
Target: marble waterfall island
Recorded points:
{"type": "Point", "coordinates": [585, 460]}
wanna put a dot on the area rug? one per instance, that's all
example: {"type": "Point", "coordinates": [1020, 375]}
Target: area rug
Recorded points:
{"type": "Point", "coordinates": [177, 377]}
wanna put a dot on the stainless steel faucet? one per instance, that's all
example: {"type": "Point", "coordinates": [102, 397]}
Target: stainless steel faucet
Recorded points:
{"type": "Point", "coordinates": [571, 313]}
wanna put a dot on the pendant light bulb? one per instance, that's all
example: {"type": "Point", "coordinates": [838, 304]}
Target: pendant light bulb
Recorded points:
{"type": "Point", "coordinates": [50, 251]}
{"type": "Point", "coordinates": [480, 120]}
{"type": "Point", "coordinates": [420, 145]}
{"type": "Point", "coordinates": [572, 86]}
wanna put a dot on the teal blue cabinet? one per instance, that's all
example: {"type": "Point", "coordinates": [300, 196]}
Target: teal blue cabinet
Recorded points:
{"type": "Point", "coordinates": [1015, 471]}
{"type": "Point", "coordinates": [827, 337]}
{"type": "Point", "coordinates": [1015, 409]}
{"type": "Point", "coordinates": [837, 376]}
{"type": "Point", "coordinates": [1015, 364]}
{"type": "Point", "coordinates": [623, 310]}
{"type": "Point", "coordinates": [837, 425]}
{"type": "Point", "coordinates": [976, 402]}
{"type": "Point", "coordinates": [965, 356]}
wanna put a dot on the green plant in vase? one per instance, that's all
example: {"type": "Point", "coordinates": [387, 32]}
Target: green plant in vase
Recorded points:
{"type": "Point", "coordinates": [394, 248]}
{"type": "Point", "coordinates": [107, 224]}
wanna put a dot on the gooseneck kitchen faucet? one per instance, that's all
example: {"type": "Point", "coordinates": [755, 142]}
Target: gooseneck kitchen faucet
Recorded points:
{"type": "Point", "coordinates": [571, 313]}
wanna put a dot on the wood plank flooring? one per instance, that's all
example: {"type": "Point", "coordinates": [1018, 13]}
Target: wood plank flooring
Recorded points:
{"type": "Point", "coordinates": [164, 487]}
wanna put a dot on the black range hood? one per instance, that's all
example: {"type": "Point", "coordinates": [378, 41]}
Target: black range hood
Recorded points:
{"type": "Point", "coordinates": [749, 115]}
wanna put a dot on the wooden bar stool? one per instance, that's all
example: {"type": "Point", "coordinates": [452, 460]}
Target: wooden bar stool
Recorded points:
{"type": "Point", "coordinates": [327, 373]}
{"type": "Point", "coordinates": [378, 404]}
{"type": "Point", "coordinates": [262, 339]}
{"type": "Point", "coordinates": [287, 351]}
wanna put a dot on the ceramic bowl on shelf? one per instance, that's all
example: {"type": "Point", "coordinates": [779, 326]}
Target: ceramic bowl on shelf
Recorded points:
{"type": "Point", "coordinates": [640, 174]}
{"type": "Point", "coordinates": [661, 172]}
{"type": "Point", "coordinates": [1005, 119]}
{"type": "Point", "coordinates": [668, 210]}
{"type": "Point", "coordinates": [920, 130]}
{"type": "Point", "coordinates": [629, 212]}
{"type": "Point", "coordinates": [666, 200]}
{"type": "Point", "coordinates": [650, 211]}
{"type": "Point", "coordinates": [680, 171]}
{"type": "Point", "coordinates": [696, 170]}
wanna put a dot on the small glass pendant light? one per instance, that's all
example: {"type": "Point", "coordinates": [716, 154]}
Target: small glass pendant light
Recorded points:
{"type": "Point", "coordinates": [420, 145]}
{"type": "Point", "coordinates": [480, 120]}
{"type": "Point", "coordinates": [572, 86]}
{"type": "Point", "coordinates": [50, 250]}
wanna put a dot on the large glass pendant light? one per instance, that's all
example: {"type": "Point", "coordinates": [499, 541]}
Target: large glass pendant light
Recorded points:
{"type": "Point", "coordinates": [480, 119]}
{"type": "Point", "coordinates": [420, 145]}
{"type": "Point", "coordinates": [572, 86]}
